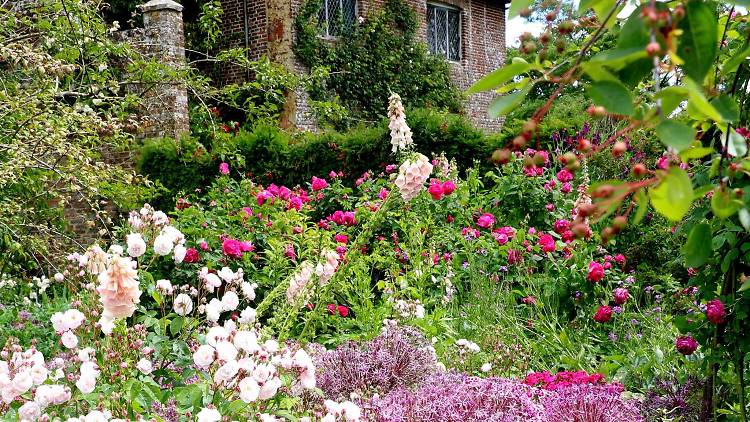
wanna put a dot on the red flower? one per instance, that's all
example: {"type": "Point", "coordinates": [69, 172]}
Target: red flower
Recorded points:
{"type": "Point", "coordinates": [232, 248]}
{"type": "Point", "coordinates": [448, 187]}
{"type": "Point", "coordinates": [686, 345]}
{"type": "Point", "coordinates": [436, 190]}
{"type": "Point", "coordinates": [318, 184]}
{"type": "Point", "coordinates": [191, 256]}
{"type": "Point", "coordinates": [603, 314]}
{"type": "Point", "coordinates": [596, 272]}
{"type": "Point", "coordinates": [547, 242]}
{"type": "Point", "coordinates": [715, 311]}
{"type": "Point", "coordinates": [620, 295]}
{"type": "Point", "coordinates": [342, 238]}
{"type": "Point", "coordinates": [331, 307]}
{"type": "Point", "coordinates": [343, 311]}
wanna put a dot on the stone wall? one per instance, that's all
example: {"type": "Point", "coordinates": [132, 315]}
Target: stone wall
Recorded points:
{"type": "Point", "coordinates": [165, 105]}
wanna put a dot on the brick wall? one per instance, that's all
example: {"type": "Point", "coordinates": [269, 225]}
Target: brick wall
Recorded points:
{"type": "Point", "coordinates": [233, 34]}
{"type": "Point", "coordinates": [482, 47]}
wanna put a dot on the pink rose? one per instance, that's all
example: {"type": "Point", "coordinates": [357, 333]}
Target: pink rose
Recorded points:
{"type": "Point", "coordinates": [435, 190]}
{"type": "Point", "coordinates": [596, 272]}
{"type": "Point", "coordinates": [232, 248]}
{"type": "Point", "coordinates": [448, 187]}
{"type": "Point", "coordinates": [191, 256]}
{"type": "Point", "coordinates": [686, 345]}
{"type": "Point", "coordinates": [318, 184]}
{"type": "Point", "coordinates": [547, 242]}
{"type": "Point", "coordinates": [715, 312]}
{"type": "Point", "coordinates": [620, 295]}
{"type": "Point", "coordinates": [564, 175]}
{"type": "Point", "coordinates": [486, 220]}
{"type": "Point", "coordinates": [224, 168]}
{"type": "Point", "coordinates": [603, 314]}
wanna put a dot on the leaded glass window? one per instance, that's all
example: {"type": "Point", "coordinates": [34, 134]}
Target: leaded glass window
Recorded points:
{"type": "Point", "coordinates": [444, 31]}
{"type": "Point", "coordinates": [337, 16]}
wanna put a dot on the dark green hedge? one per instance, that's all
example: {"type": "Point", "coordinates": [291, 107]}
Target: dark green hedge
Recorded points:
{"type": "Point", "coordinates": [272, 155]}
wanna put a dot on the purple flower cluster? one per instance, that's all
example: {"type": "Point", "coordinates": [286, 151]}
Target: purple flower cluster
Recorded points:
{"type": "Point", "coordinates": [670, 397]}
{"type": "Point", "coordinates": [459, 397]}
{"type": "Point", "coordinates": [399, 357]}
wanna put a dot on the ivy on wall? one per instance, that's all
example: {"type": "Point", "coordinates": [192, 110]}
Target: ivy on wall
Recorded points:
{"type": "Point", "coordinates": [376, 56]}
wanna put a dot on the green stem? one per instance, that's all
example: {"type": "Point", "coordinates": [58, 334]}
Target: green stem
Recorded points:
{"type": "Point", "coordinates": [741, 376]}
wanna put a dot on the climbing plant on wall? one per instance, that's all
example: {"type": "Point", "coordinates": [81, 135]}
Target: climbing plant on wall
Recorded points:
{"type": "Point", "coordinates": [378, 54]}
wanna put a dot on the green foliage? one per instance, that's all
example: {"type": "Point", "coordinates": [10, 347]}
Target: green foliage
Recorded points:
{"type": "Point", "coordinates": [271, 155]}
{"type": "Point", "coordinates": [385, 49]}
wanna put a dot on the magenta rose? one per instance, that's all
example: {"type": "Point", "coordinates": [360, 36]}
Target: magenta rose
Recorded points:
{"type": "Point", "coordinates": [620, 295]}
{"type": "Point", "coordinates": [596, 272]}
{"type": "Point", "coordinates": [191, 256]}
{"type": "Point", "coordinates": [448, 187]}
{"type": "Point", "coordinates": [547, 242]}
{"type": "Point", "coordinates": [603, 314]}
{"type": "Point", "coordinates": [686, 345]}
{"type": "Point", "coordinates": [232, 248]}
{"type": "Point", "coordinates": [715, 311]}
{"type": "Point", "coordinates": [318, 184]}
{"type": "Point", "coordinates": [486, 220]}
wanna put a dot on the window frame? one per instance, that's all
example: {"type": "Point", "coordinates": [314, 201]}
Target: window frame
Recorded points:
{"type": "Point", "coordinates": [447, 8]}
{"type": "Point", "coordinates": [326, 23]}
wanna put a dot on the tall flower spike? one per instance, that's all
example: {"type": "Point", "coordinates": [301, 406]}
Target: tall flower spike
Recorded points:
{"type": "Point", "coordinates": [400, 132]}
{"type": "Point", "coordinates": [412, 175]}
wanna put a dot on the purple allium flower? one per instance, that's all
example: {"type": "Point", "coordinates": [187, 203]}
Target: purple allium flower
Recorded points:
{"type": "Point", "coordinates": [399, 357]}
{"type": "Point", "coordinates": [669, 396]}
{"type": "Point", "coordinates": [586, 402]}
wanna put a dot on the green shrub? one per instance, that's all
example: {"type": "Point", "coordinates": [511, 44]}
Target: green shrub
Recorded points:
{"type": "Point", "coordinates": [270, 154]}
{"type": "Point", "coordinates": [180, 166]}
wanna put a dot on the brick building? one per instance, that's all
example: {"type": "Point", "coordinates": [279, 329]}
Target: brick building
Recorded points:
{"type": "Point", "coordinates": [470, 34]}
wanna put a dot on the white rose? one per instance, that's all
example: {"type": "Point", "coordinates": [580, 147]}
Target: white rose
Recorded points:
{"type": "Point", "coordinates": [183, 305]}
{"type": "Point", "coordinates": [249, 390]}
{"type": "Point", "coordinates": [247, 316]}
{"type": "Point", "coordinates": [212, 281]}
{"type": "Point", "coordinates": [230, 301]}
{"type": "Point", "coordinates": [136, 245]}
{"type": "Point", "coordinates": [269, 389]}
{"type": "Point", "coordinates": [204, 356]}
{"type": "Point", "coordinates": [208, 415]}
{"type": "Point", "coordinates": [145, 366]}
{"type": "Point", "coordinates": [246, 341]}
{"type": "Point", "coordinates": [86, 384]}
{"type": "Point", "coordinates": [226, 351]}
{"type": "Point", "coordinates": [73, 318]}
{"type": "Point", "coordinates": [163, 245]}
{"type": "Point", "coordinates": [226, 372]}
{"type": "Point", "coordinates": [214, 309]}
{"type": "Point", "coordinates": [179, 254]}
{"type": "Point", "coordinates": [69, 340]}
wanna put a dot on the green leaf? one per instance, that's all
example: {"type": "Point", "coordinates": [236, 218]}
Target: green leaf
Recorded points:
{"type": "Point", "coordinates": [613, 96]}
{"type": "Point", "coordinates": [699, 42]}
{"type": "Point", "coordinates": [737, 144]}
{"type": "Point", "coordinates": [601, 8]}
{"type": "Point", "coordinates": [698, 249]}
{"type": "Point", "coordinates": [618, 58]}
{"type": "Point", "coordinates": [699, 103]}
{"type": "Point", "coordinates": [500, 76]}
{"type": "Point", "coordinates": [634, 35]}
{"type": "Point", "coordinates": [642, 201]}
{"type": "Point", "coordinates": [745, 286]}
{"type": "Point", "coordinates": [727, 107]}
{"type": "Point", "coordinates": [674, 194]}
{"type": "Point", "coordinates": [597, 72]}
{"type": "Point", "coordinates": [176, 325]}
{"type": "Point", "coordinates": [675, 135]}
{"type": "Point", "coordinates": [516, 6]}
{"type": "Point", "coordinates": [734, 62]}
{"type": "Point", "coordinates": [671, 97]}
{"type": "Point", "coordinates": [724, 204]}
{"type": "Point", "coordinates": [694, 153]}
{"type": "Point", "coordinates": [505, 104]}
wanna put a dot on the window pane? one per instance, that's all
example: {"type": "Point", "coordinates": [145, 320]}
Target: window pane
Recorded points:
{"type": "Point", "coordinates": [454, 35]}
{"type": "Point", "coordinates": [323, 18]}
{"type": "Point", "coordinates": [441, 34]}
{"type": "Point", "coordinates": [431, 29]}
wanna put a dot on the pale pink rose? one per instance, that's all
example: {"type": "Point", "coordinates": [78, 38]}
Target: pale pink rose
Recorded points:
{"type": "Point", "coordinates": [86, 384]}
{"type": "Point", "coordinates": [118, 288]}
{"type": "Point", "coordinates": [204, 356]}
{"type": "Point", "coordinates": [69, 340]}
{"type": "Point", "coordinates": [226, 372]}
{"type": "Point", "coordinates": [249, 390]}
{"type": "Point", "coordinates": [30, 411]}
{"type": "Point", "coordinates": [269, 389]}
{"type": "Point", "coordinates": [145, 366]}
